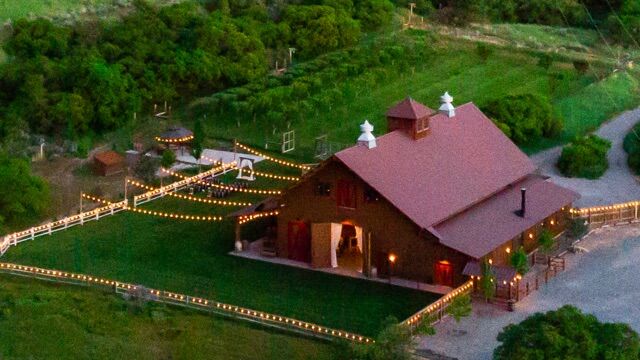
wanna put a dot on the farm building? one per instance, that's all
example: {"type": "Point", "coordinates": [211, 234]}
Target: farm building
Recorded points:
{"type": "Point", "coordinates": [107, 163]}
{"type": "Point", "coordinates": [440, 192]}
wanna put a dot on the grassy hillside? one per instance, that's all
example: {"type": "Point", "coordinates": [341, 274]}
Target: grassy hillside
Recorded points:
{"type": "Point", "coordinates": [454, 66]}
{"type": "Point", "coordinates": [44, 321]}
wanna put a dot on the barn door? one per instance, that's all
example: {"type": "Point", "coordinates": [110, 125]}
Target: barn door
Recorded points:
{"type": "Point", "coordinates": [443, 273]}
{"type": "Point", "coordinates": [321, 245]}
{"type": "Point", "coordinates": [299, 241]}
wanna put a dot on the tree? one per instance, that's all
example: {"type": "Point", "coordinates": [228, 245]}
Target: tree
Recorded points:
{"type": "Point", "coordinates": [23, 196]}
{"type": "Point", "coordinates": [519, 261]}
{"type": "Point", "coordinates": [198, 139]}
{"type": "Point", "coordinates": [393, 342]}
{"type": "Point", "coordinates": [146, 169]}
{"type": "Point", "coordinates": [524, 117]}
{"type": "Point", "coordinates": [585, 157]}
{"type": "Point", "coordinates": [577, 228]}
{"type": "Point", "coordinates": [545, 240]}
{"type": "Point", "coordinates": [168, 158]}
{"type": "Point", "coordinates": [567, 333]}
{"type": "Point", "coordinates": [373, 14]}
{"type": "Point", "coordinates": [460, 307]}
{"type": "Point", "coordinates": [487, 281]}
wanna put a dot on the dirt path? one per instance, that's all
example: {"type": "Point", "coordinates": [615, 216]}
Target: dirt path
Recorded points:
{"type": "Point", "coordinates": [602, 282]}
{"type": "Point", "coordinates": [618, 184]}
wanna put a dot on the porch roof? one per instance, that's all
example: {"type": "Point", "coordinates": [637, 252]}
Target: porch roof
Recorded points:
{"type": "Point", "coordinates": [267, 204]}
{"type": "Point", "coordinates": [488, 225]}
{"type": "Point", "coordinates": [502, 273]}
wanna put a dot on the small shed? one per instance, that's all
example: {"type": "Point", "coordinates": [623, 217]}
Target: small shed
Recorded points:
{"type": "Point", "coordinates": [107, 163]}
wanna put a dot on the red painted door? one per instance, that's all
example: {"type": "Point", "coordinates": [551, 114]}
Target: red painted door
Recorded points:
{"type": "Point", "coordinates": [443, 273]}
{"type": "Point", "coordinates": [299, 241]}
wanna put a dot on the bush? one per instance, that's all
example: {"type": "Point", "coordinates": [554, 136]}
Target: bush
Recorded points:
{"type": "Point", "coordinates": [585, 157]}
{"type": "Point", "coordinates": [519, 261]}
{"type": "Point", "coordinates": [168, 158]}
{"type": "Point", "coordinates": [146, 169]}
{"type": "Point", "coordinates": [545, 240]}
{"type": "Point", "coordinates": [484, 51]}
{"type": "Point", "coordinates": [460, 307]}
{"type": "Point", "coordinates": [567, 333]}
{"type": "Point", "coordinates": [545, 61]}
{"type": "Point", "coordinates": [393, 342]}
{"type": "Point", "coordinates": [525, 117]}
{"type": "Point", "coordinates": [581, 66]}
{"type": "Point", "coordinates": [487, 281]}
{"type": "Point", "coordinates": [631, 145]}
{"type": "Point", "coordinates": [577, 228]}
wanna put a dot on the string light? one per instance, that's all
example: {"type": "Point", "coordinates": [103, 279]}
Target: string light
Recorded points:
{"type": "Point", "coordinates": [277, 177]}
{"type": "Point", "coordinates": [226, 187]}
{"type": "Point", "coordinates": [161, 213]}
{"type": "Point", "coordinates": [189, 197]}
{"type": "Point", "coordinates": [160, 295]}
{"type": "Point", "coordinates": [267, 157]}
{"type": "Point", "coordinates": [246, 218]}
{"type": "Point", "coordinates": [439, 304]}
{"type": "Point", "coordinates": [178, 140]}
{"type": "Point", "coordinates": [582, 211]}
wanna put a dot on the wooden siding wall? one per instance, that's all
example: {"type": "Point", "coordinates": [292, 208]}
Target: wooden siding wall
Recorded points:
{"type": "Point", "coordinates": [391, 232]}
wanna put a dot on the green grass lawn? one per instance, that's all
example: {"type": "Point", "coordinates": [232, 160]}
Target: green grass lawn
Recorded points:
{"type": "Point", "coordinates": [39, 320]}
{"type": "Point", "coordinates": [191, 257]}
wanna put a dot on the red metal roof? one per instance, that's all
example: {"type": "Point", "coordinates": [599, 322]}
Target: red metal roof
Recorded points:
{"type": "Point", "coordinates": [502, 273]}
{"type": "Point", "coordinates": [409, 109]}
{"type": "Point", "coordinates": [486, 226]}
{"type": "Point", "coordinates": [464, 160]}
{"type": "Point", "coordinates": [109, 157]}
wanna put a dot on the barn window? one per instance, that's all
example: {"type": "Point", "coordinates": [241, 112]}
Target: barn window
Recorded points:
{"type": "Point", "coordinates": [322, 189]}
{"type": "Point", "coordinates": [423, 124]}
{"type": "Point", "coordinates": [346, 194]}
{"type": "Point", "coordinates": [370, 195]}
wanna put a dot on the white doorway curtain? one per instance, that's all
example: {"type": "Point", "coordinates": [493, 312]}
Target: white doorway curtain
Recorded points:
{"type": "Point", "coordinates": [336, 231]}
{"type": "Point", "coordinates": [359, 238]}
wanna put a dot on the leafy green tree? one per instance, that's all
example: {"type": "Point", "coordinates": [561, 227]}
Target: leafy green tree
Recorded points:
{"type": "Point", "coordinates": [460, 307]}
{"type": "Point", "coordinates": [567, 333]}
{"type": "Point", "coordinates": [577, 228]}
{"type": "Point", "coordinates": [585, 157]}
{"type": "Point", "coordinates": [524, 117]}
{"type": "Point", "coordinates": [624, 25]}
{"type": "Point", "coordinates": [519, 261]}
{"type": "Point", "coordinates": [146, 169]}
{"type": "Point", "coordinates": [23, 196]}
{"type": "Point", "coordinates": [545, 240]}
{"type": "Point", "coordinates": [168, 158]}
{"type": "Point", "coordinates": [487, 281]}
{"type": "Point", "coordinates": [393, 342]}
{"type": "Point", "coordinates": [374, 14]}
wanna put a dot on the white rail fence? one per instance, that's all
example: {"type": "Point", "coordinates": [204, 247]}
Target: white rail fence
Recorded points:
{"type": "Point", "coordinates": [179, 185]}
{"type": "Point", "coordinates": [47, 229]}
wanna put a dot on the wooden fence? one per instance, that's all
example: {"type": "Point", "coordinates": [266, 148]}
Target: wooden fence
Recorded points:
{"type": "Point", "coordinates": [615, 214]}
{"type": "Point", "coordinates": [48, 229]}
{"type": "Point", "coordinates": [168, 297]}
{"type": "Point", "coordinates": [179, 185]}
{"type": "Point", "coordinates": [436, 311]}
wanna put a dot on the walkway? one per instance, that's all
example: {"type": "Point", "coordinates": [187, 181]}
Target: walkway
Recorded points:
{"type": "Point", "coordinates": [603, 282]}
{"type": "Point", "coordinates": [617, 185]}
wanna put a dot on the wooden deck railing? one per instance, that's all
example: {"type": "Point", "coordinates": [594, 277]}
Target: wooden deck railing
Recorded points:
{"type": "Point", "coordinates": [437, 308]}
{"type": "Point", "coordinates": [168, 297]}
{"type": "Point", "coordinates": [614, 214]}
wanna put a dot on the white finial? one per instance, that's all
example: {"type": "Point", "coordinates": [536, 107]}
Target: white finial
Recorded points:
{"type": "Point", "coordinates": [447, 106]}
{"type": "Point", "coordinates": [367, 138]}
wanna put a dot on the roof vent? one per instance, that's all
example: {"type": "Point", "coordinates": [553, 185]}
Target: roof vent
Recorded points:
{"type": "Point", "coordinates": [367, 138]}
{"type": "Point", "coordinates": [447, 106]}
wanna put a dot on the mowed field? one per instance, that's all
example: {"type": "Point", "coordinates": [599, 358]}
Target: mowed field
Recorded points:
{"type": "Point", "coordinates": [39, 320]}
{"type": "Point", "coordinates": [192, 258]}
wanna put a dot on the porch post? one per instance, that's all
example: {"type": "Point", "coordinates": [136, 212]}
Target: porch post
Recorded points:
{"type": "Point", "coordinates": [238, 231]}
{"type": "Point", "coordinates": [367, 254]}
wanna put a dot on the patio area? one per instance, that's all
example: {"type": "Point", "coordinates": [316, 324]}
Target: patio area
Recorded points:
{"type": "Point", "coordinates": [602, 281]}
{"type": "Point", "coordinates": [255, 252]}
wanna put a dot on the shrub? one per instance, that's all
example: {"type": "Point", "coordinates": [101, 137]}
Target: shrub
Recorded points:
{"type": "Point", "coordinates": [519, 261]}
{"type": "Point", "coordinates": [545, 61]}
{"type": "Point", "coordinates": [585, 157]}
{"type": "Point", "coordinates": [545, 240]}
{"type": "Point", "coordinates": [631, 145]}
{"type": "Point", "coordinates": [146, 169]}
{"type": "Point", "coordinates": [577, 228]}
{"type": "Point", "coordinates": [487, 281]}
{"type": "Point", "coordinates": [524, 117]}
{"type": "Point", "coordinates": [581, 66]}
{"type": "Point", "coordinates": [567, 333]}
{"type": "Point", "coordinates": [168, 158]}
{"type": "Point", "coordinates": [393, 342]}
{"type": "Point", "coordinates": [484, 51]}
{"type": "Point", "coordinates": [460, 307]}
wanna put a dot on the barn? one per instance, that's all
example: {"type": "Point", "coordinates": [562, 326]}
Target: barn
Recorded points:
{"type": "Point", "coordinates": [428, 201]}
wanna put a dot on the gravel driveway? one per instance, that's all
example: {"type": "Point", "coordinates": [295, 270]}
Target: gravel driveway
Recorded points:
{"type": "Point", "coordinates": [617, 185]}
{"type": "Point", "coordinates": [603, 282]}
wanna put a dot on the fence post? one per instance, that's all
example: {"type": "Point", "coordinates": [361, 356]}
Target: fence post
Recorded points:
{"type": "Point", "coordinates": [33, 233]}
{"type": "Point", "coordinates": [636, 212]}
